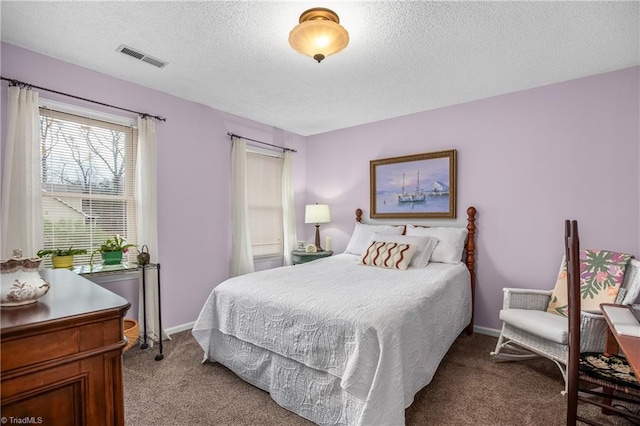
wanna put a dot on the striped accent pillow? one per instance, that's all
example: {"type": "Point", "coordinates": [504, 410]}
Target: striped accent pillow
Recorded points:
{"type": "Point", "coordinates": [388, 255]}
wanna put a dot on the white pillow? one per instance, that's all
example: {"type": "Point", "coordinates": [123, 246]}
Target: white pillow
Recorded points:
{"type": "Point", "coordinates": [362, 233]}
{"type": "Point", "coordinates": [424, 246]}
{"type": "Point", "coordinates": [450, 242]}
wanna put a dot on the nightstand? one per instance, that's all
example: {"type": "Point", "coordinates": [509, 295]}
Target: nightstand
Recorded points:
{"type": "Point", "coordinates": [301, 256]}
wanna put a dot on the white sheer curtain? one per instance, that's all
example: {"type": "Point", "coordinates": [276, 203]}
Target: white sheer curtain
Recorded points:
{"type": "Point", "coordinates": [147, 211]}
{"type": "Point", "coordinates": [21, 185]}
{"type": "Point", "coordinates": [288, 208]}
{"type": "Point", "coordinates": [241, 253]}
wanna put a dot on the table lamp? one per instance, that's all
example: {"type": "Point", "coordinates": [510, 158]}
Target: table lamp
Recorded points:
{"type": "Point", "coordinates": [317, 213]}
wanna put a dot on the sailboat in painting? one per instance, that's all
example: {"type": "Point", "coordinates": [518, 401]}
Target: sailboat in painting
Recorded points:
{"type": "Point", "coordinates": [419, 195]}
{"type": "Point", "coordinates": [416, 197]}
{"type": "Point", "coordinates": [404, 197]}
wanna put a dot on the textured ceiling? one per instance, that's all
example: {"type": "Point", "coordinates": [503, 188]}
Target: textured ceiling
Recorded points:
{"type": "Point", "coordinates": [404, 57]}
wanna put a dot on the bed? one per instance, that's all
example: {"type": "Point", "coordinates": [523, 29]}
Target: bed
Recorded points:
{"type": "Point", "coordinates": [339, 342]}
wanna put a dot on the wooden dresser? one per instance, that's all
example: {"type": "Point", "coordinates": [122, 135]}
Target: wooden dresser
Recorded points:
{"type": "Point", "coordinates": [61, 358]}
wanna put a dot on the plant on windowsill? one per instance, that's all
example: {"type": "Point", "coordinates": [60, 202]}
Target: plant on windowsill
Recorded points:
{"type": "Point", "coordinates": [112, 250]}
{"type": "Point", "coordinates": [61, 258]}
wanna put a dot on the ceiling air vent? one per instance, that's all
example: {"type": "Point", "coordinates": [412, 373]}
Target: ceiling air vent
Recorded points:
{"type": "Point", "coordinates": [129, 51]}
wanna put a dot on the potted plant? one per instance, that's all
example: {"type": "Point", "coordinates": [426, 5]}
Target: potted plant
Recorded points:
{"type": "Point", "coordinates": [112, 250]}
{"type": "Point", "coordinates": [61, 258]}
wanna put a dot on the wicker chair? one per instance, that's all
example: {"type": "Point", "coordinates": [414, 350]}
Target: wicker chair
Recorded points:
{"type": "Point", "coordinates": [529, 331]}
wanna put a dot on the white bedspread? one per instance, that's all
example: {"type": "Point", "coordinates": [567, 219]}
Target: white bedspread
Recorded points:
{"type": "Point", "coordinates": [382, 332]}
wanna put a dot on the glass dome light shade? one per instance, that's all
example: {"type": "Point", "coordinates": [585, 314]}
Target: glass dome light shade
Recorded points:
{"type": "Point", "coordinates": [319, 34]}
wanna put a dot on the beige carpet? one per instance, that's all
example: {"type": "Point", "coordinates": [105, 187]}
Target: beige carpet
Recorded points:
{"type": "Point", "coordinates": [469, 388]}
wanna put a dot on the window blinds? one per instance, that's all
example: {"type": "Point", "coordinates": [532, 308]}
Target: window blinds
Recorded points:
{"type": "Point", "coordinates": [264, 182]}
{"type": "Point", "coordinates": [88, 172]}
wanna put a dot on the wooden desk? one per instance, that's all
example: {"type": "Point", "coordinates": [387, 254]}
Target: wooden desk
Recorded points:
{"type": "Point", "coordinates": [630, 345]}
{"type": "Point", "coordinates": [62, 356]}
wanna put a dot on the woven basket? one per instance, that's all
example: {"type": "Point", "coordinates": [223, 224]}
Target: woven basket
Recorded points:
{"type": "Point", "coordinates": [131, 332]}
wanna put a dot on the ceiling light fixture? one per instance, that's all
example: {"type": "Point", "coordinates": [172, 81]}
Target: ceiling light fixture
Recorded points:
{"type": "Point", "coordinates": [319, 34]}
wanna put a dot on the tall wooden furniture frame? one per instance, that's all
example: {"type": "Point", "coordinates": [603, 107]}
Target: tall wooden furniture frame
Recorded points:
{"type": "Point", "coordinates": [579, 367]}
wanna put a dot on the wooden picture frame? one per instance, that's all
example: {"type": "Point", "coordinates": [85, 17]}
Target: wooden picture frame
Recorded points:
{"type": "Point", "coordinates": [414, 186]}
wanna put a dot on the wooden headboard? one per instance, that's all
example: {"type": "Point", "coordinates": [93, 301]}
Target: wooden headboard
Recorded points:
{"type": "Point", "coordinates": [469, 256]}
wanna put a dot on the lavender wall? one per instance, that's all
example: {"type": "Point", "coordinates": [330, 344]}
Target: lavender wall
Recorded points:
{"type": "Point", "coordinates": [193, 174]}
{"type": "Point", "coordinates": [526, 160]}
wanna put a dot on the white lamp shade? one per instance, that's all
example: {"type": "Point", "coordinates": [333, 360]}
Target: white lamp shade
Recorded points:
{"type": "Point", "coordinates": [317, 213]}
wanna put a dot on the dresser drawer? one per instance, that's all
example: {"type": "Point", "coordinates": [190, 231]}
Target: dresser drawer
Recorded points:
{"type": "Point", "coordinates": [17, 353]}
{"type": "Point", "coordinates": [54, 345]}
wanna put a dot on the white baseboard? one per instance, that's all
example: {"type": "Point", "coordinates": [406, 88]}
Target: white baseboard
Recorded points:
{"type": "Point", "coordinates": [179, 328]}
{"type": "Point", "coordinates": [486, 330]}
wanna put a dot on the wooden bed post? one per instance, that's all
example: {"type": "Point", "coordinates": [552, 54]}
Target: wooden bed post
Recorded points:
{"type": "Point", "coordinates": [359, 215]}
{"type": "Point", "coordinates": [470, 248]}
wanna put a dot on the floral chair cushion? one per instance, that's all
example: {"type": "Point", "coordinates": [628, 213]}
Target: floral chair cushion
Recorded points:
{"type": "Point", "coordinates": [601, 274]}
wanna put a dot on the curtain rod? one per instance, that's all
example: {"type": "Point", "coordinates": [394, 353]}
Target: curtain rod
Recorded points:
{"type": "Point", "coordinates": [13, 82]}
{"type": "Point", "coordinates": [264, 143]}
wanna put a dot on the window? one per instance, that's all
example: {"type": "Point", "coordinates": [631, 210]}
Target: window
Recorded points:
{"type": "Point", "coordinates": [264, 183]}
{"type": "Point", "coordinates": [88, 172]}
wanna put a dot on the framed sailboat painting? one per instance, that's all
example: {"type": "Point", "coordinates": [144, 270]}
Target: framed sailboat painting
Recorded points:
{"type": "Point", "coordinates": [414, 186]}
